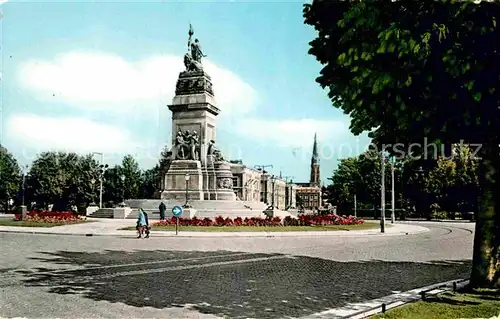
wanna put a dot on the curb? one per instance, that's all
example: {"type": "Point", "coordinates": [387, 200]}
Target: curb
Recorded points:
{"type": "Point", "coordinates": [451, 221]}
{"type": "Point", "coordinates": [226, 234]}
{"type": "Point", "coordinates": [381, 305]}
{"type": "Point", "coordinates": [48, 233]}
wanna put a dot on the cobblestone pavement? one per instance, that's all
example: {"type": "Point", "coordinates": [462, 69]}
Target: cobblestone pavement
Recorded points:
{"type": "Point", "coordinates": [68, 276]}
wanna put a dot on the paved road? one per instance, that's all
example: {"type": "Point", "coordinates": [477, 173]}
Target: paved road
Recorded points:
{"type": "Point", "coordinates": [69, 276]}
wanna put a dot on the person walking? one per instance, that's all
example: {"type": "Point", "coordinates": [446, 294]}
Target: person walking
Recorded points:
{"type": "Point", "coordinates": [147, 227]}
{"type": "Point", "coordinates": [162, 209]}
{"type": "Point", "coordinates": [141, 222]}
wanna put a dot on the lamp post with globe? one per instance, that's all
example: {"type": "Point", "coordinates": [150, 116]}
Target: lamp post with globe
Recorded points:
{"type": "Point", "coordinates": [122, 177]}
{"type": "Point", "coordinates": [24, 209]}
{"type": "Point", "coordinates": [187, 177]}
{"type": "Point", "coordinates": [273, 181]}
{"type": "Point", "coordinates": [420, 207]}
{"type": "Point", "coordinates": [92, 191]}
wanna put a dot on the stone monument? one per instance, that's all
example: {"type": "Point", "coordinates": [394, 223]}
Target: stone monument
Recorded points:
{"type": "Point", "coordinates": [194, 152]}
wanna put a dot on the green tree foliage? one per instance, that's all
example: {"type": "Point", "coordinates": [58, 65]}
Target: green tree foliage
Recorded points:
{"type": "Point", "coordinates": [369, 177]}
{"type": "Point", "coordinates": [64, 179]}
{"type": "Point", "coordinates": [361, 175]}
{"type": "Point", "coordinates": [132, 173]}
{"type": "Point", "coordinates": [61, 179]}
{"type": "Point", "coordinates": [113, 186]}
{"type": "Point", "coordinates": [162, 167]}
{"type": "Point", "coordinates": [149, 182]}
{"type": "Point", "coordinates": [440, 182]}
{"type": "Point", "coordinates": [453, 183]}
{"type": "Point", "coordinates": [10, 177]}
{"type": "Point", "coordinates": [82, 193]}
{"type": "Point", "coordinates": [466, 189]}
{"type": "Point", "coordinates": [408, 70]}
{"type": "Point", "coordinates": [344, 181]}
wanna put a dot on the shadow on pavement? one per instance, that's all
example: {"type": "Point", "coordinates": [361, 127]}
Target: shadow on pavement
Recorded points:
{"type": "Point", "coordinates": [232, 284]}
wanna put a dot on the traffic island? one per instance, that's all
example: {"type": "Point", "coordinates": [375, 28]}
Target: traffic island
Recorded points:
{"type": "Point", "coordinates": [34, 223]}
{"type": "Point", "coordinates": [43, 219]}
{"type": "Point", "coordinates": [257, 224]}
{"type": "Point", "coordinates": [262, 228]}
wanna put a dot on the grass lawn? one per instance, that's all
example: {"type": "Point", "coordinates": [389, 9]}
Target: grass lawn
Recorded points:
{"type": "Point", "coordinates": [477, 304]}
{"type": "Point", "coordinates": [264, 228]}
{"type": "Point", "coordinates": [23, 223]}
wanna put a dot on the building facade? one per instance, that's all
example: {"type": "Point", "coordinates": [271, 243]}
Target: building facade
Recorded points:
{"type": "Point", "coordinates": [250, 184]}
{"type": "Point", "coordinates": [273, 190]}
{"type": "Point", "coordinates": [291, 196]}
{"type": "Point", "coordinates": [309, 195]}
{"type": "Point", "coordinates": [246, 182]}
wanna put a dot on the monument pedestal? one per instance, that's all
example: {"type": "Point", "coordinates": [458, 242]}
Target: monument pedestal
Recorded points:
{"type": "Point", "coordinates": [224, 184]}
{"type": "Point", "coordinates": [175, 181]}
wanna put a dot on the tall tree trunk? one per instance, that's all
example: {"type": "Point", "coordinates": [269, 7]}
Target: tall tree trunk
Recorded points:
{"type": "Point", "coordinates": [486, 255]}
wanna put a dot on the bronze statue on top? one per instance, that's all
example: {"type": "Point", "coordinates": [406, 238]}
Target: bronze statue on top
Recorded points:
{"type": "Point", "coordinates": [192, 59]}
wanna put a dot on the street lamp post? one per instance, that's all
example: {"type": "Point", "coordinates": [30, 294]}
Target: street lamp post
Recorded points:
{"type": "Point", "coordinates": [24, 188]}
{"type": "Point", "coordinates": [382, 194]}
{"type": "Point", "coordinates": [393, 197]}
{"type": "Point", "coordinates": [420, 178]}
{"type": "Point", "coordinates": [273, 181]}
{"type": "Point", "coordinates": [24, 209]}
{"type": "Point", "coordinates": [92, 182]}
{"type": "Point", "coordinates": [187, 177]}
{"type": "Point", "coordinates": [355, 206]}
{"type": "Point", "coordinates": [402, 215]}
{"type": "Point", "coordinates": [122, 177]}
{"type": "Point", "coordinates": [102, 170]}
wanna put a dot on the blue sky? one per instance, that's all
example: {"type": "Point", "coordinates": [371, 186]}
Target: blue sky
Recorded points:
{"type": "Point", "coordinates": [97, 77]}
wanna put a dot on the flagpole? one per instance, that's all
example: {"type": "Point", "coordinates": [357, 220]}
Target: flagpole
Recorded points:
{"type": "Point", "coordinates": [190, 34]}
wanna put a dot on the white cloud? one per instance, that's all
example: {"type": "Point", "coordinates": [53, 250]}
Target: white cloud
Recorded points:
{"type": "Point", "coordinates": [290, 132]}
{"type": "Point", "coordinates": [103, 80]}
{"type": "Point", "coordinates": [68, 134]}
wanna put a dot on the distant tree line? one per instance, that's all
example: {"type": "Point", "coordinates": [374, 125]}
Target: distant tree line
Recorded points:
{"type": "Point", "coordinates": [427, 188]}
{"type": "Point", "coordinates": [67, 180]}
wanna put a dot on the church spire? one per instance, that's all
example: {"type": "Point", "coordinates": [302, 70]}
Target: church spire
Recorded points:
{"type": "Point", "coordinates": [315, 176]}
{"type": "Point", "coordinates": [315, 156]}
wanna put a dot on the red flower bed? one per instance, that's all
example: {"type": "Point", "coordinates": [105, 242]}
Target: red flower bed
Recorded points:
{"type": "Point", "coordinates": [303, 220]}
{"type": "Point", "coordinates": [49, 217]}
{"type": "Point", "coordinates": [308, 220]}
{"type": "Point", "coordinates": [221, 221]}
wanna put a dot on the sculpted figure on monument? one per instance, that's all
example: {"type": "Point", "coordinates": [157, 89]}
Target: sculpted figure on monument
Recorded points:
{"type": "Point", "coordinates": [187, 145]}
{"type": "Point", "coordinates": [218, 156]}
{"type": "Point", "coordinates": [179, 147]}
{"type": "Point", "coordinates": [211, 147]}
{"type": "Point", "coordinates": [192, 59]}
{"type": "Point", "coordinates": [196, 52]}
{"type": "Point", "coordinates": [194, 144]}
{"type": "Point", "coordinates": [213, 150]}
{"type": "Point", "coordinates": [225, 183]}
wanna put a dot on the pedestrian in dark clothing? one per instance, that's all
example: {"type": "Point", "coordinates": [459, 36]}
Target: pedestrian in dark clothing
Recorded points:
{"type": "Point", "coordinates": [147, 228]}
{"type": "Point", "coordinates": [162, 209]}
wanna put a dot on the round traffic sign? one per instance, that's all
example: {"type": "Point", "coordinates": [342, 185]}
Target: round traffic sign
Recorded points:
{"type": "Point", "coordinates": [177, 211]}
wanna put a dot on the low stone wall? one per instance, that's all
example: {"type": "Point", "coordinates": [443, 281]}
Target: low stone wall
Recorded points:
{"type": "Point", "coordinates": [91, 209]}
{"type": "Point", "coordinates": [278, 213]}
{"type": "Point", "coordinates": [121, 212]}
